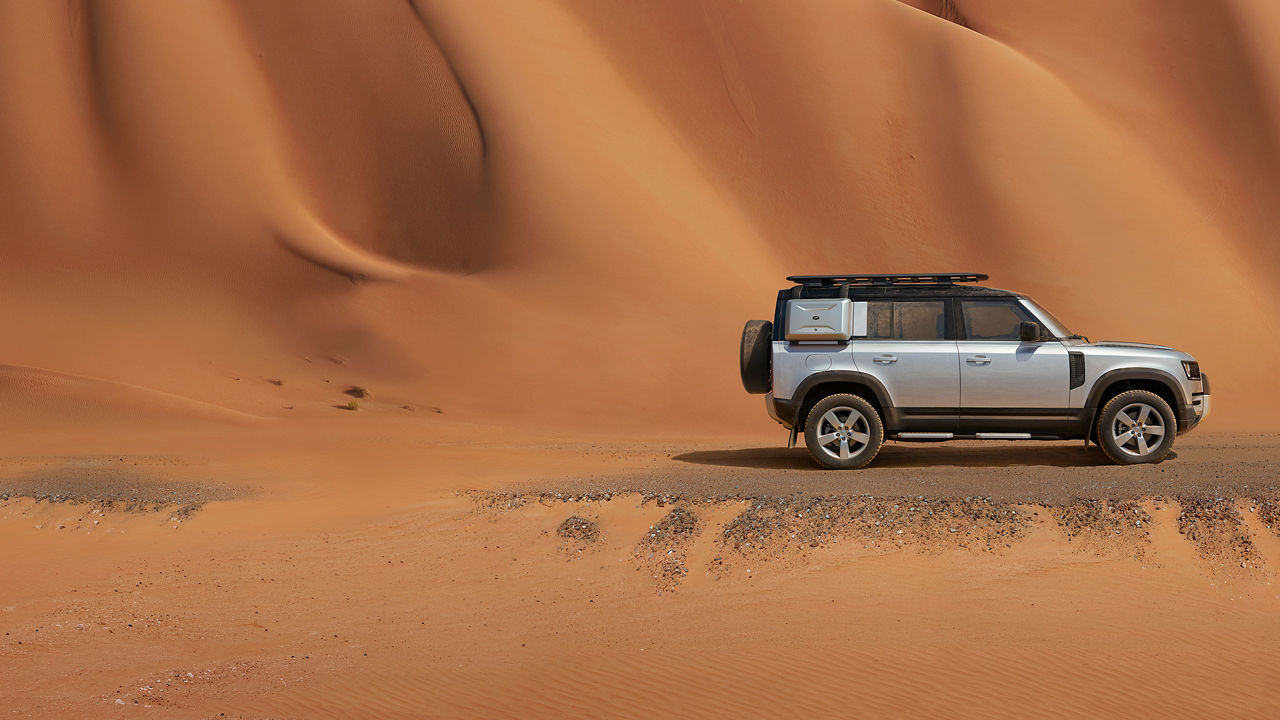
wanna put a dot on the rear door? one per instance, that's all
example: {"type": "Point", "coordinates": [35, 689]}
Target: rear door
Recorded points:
{"type": "Point", "coordinates": [908, 350]}
{"type": "Point", "coordinates": [1007, 385]}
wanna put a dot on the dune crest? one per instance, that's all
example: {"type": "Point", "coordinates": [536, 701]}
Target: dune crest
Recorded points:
{"type": "Point", "coordinates": [33, 396]}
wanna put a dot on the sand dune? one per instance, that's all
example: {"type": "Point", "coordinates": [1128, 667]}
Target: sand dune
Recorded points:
{"type": "Point", "coordinates": [583, 202]}
{"type": "Point", "coordinates": [49, 401]}
{"type": "Point", "coordinates": [322, 318]}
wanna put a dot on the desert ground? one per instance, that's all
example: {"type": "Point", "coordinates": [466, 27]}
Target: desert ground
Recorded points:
{"type": "Point", "coordinates": [413, 569]}
{"type": "Point", "coordinates": [378, 359]}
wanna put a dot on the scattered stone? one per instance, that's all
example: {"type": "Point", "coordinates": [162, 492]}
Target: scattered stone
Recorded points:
{"type": "Point", "coordinates": [1106, 526]}
{"type": "Point", "coordinates": [1218, 531]}
{"type": "Point", "coordinates": [579, 529]}
{"type": "Point", "coordinates": [779, 526]}
{"type": "Point", "coordinates": [663, 550]}
{"type": "Point", "coordinates": [1269, 512]}
{"type": "Point", "coordinates": [107, 484]}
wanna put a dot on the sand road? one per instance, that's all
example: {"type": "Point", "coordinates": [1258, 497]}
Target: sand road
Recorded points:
{"type": "Point", "coordinates": [394, 575]}
{"type": "Point", "coordinates": [1225, 465]}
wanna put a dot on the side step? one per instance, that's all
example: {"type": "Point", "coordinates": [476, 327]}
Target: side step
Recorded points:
{"type": "Point", "coordinates": [952, 436]}
{"type": "Point", "coordinates": [1003, 436]}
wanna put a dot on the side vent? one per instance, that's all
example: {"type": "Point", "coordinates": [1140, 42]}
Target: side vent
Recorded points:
{"type": "Point", "coordinates": [1076, 361]}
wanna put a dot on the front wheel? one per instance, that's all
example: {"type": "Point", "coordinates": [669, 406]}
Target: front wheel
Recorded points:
{"type": "Point", "coordinates": [1135, 427]}
{"type": "Point", "coordinates": [843, 432]}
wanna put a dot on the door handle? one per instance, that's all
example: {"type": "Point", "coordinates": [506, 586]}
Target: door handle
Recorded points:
{"type": "Point", "coordinates": [978, 360]}
{"type": "Point", "coordinates": [886, 359]}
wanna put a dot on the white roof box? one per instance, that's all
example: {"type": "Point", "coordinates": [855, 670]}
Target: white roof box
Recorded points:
{"type": "Point", "coordinates": [827, 319]}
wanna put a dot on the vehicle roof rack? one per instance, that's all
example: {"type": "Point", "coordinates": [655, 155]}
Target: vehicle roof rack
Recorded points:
{"type": "Point", "coordinates": [912, 279]}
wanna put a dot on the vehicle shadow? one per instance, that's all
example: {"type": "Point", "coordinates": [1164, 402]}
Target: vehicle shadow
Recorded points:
{"type": "Point", "coordinates": [915, 455]}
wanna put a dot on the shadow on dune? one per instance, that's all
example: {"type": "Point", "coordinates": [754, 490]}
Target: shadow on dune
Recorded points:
{"type": "Point", "coordinates": [918, 455]}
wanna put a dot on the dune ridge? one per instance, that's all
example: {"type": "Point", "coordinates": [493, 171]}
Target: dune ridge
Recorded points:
{"type": "Point", "coordinates": [44, 398]}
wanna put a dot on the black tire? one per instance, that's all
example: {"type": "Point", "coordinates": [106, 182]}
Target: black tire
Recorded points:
{"type": "Point", "coordinates": [1131, 450]}
{"type": "Point", "coordinates": [756, 356]}
{"type": "Point", "coordinates": [870, 425]}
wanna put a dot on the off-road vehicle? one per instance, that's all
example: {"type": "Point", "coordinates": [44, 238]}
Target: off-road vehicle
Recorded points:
{"type": "Point", "coordinates": [853, 360]}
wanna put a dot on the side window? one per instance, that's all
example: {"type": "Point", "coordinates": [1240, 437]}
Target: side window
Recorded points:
{"type": "Point", "coordinates": [906, 320]}
{"type": "Point", "coordinates": [920, 320]}
{"type": "Point", "coordinates": [993, 320]}
{"type": "Point", "coordinates": [879, 320]}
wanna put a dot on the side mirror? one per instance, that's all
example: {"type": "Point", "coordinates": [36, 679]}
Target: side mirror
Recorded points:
{"type": "Point", "coordinates": [1029, 332]}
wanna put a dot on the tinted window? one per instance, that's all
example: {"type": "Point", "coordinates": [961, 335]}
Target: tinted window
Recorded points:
{"type": "Point", "coordinates": [906, 320]}
{"type": "Point", "coordinates": [997, 320]}
{"type": "Point", "coordinates": [880, 320]}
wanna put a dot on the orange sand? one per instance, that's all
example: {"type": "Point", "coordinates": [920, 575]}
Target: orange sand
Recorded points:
{"type": "Point", "coordinates": [545, 222]}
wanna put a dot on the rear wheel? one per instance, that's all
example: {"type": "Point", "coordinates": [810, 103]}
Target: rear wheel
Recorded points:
{"type": "Point", "coordinates": [1136, 427]}
{"type": "Point", "coordinates": [843, 432]}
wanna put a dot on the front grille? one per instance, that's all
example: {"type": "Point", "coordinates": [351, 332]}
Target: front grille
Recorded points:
{"type": "Point", "coordinates": [1076, 360]}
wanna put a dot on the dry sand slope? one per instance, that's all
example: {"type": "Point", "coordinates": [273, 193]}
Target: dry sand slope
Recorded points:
{"type": "Point", "coordinates": [569, 208]}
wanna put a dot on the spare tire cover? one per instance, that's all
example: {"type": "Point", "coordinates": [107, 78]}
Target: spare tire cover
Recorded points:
{"type": "Point", "coordinates": [757, 341]}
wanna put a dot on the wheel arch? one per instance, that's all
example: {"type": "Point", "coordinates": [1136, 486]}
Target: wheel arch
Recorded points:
{"type": "Point", "coordinates": [832, 382]}
{"type": "Point", "coordinates": [1115, 382]}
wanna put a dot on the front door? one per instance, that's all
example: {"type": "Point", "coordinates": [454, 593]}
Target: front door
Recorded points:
{"type": "Point", "coordinates": [1007, 385]}
{"type": "Point", "coordinates": [907, 350]}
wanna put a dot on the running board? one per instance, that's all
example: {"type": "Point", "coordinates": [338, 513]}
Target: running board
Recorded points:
{"type": "Point", "coordinates": [925, 436]}
{"type": "Point", "coordinates": [936, 436]}
{"type": "Point", "coordinates": [1003, 436]}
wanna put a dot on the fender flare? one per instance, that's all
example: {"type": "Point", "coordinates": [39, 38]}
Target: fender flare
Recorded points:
{"type": "Point", "coordinates": [806, 386]}
{"type": "Point", "coordinates": [1106, 379]}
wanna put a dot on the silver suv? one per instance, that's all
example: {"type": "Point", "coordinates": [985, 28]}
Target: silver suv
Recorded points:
{"type": "Point", "coordinates": [851, 360]}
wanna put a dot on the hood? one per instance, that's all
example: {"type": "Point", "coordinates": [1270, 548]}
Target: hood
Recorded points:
{"type": "Point", "coordinates": [1140, 346]}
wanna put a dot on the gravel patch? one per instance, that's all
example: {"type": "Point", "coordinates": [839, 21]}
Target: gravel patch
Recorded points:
{"type": "Point", "coordinates": [782, 526]}
{"type": "Point", "coordinates": [115, 483]}
{"type": "Point", "coordinates": [663, 550]}
{"type": "Point", "coordinates": [1269, 513]}
{"type": "Point", "coordinates": [1218, 531]}
{"type": "Point", "coordinates": [579, 530]}
{"type": "Point", "coordinates": [1106, 525]}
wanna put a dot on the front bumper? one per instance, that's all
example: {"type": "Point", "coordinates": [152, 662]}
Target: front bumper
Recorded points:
{"type": "Point", "coordinates": [1195, 413]}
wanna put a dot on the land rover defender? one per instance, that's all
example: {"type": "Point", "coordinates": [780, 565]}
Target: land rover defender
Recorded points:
{"type": "Point", "coordinates": [853, 360]}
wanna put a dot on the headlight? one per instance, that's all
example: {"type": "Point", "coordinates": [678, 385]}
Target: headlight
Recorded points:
{"type": "Point", "coordinates": [1192, 369]}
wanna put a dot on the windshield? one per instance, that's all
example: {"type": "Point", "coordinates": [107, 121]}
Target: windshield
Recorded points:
{"type": "Point", "coordinates": [1054, 325]}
